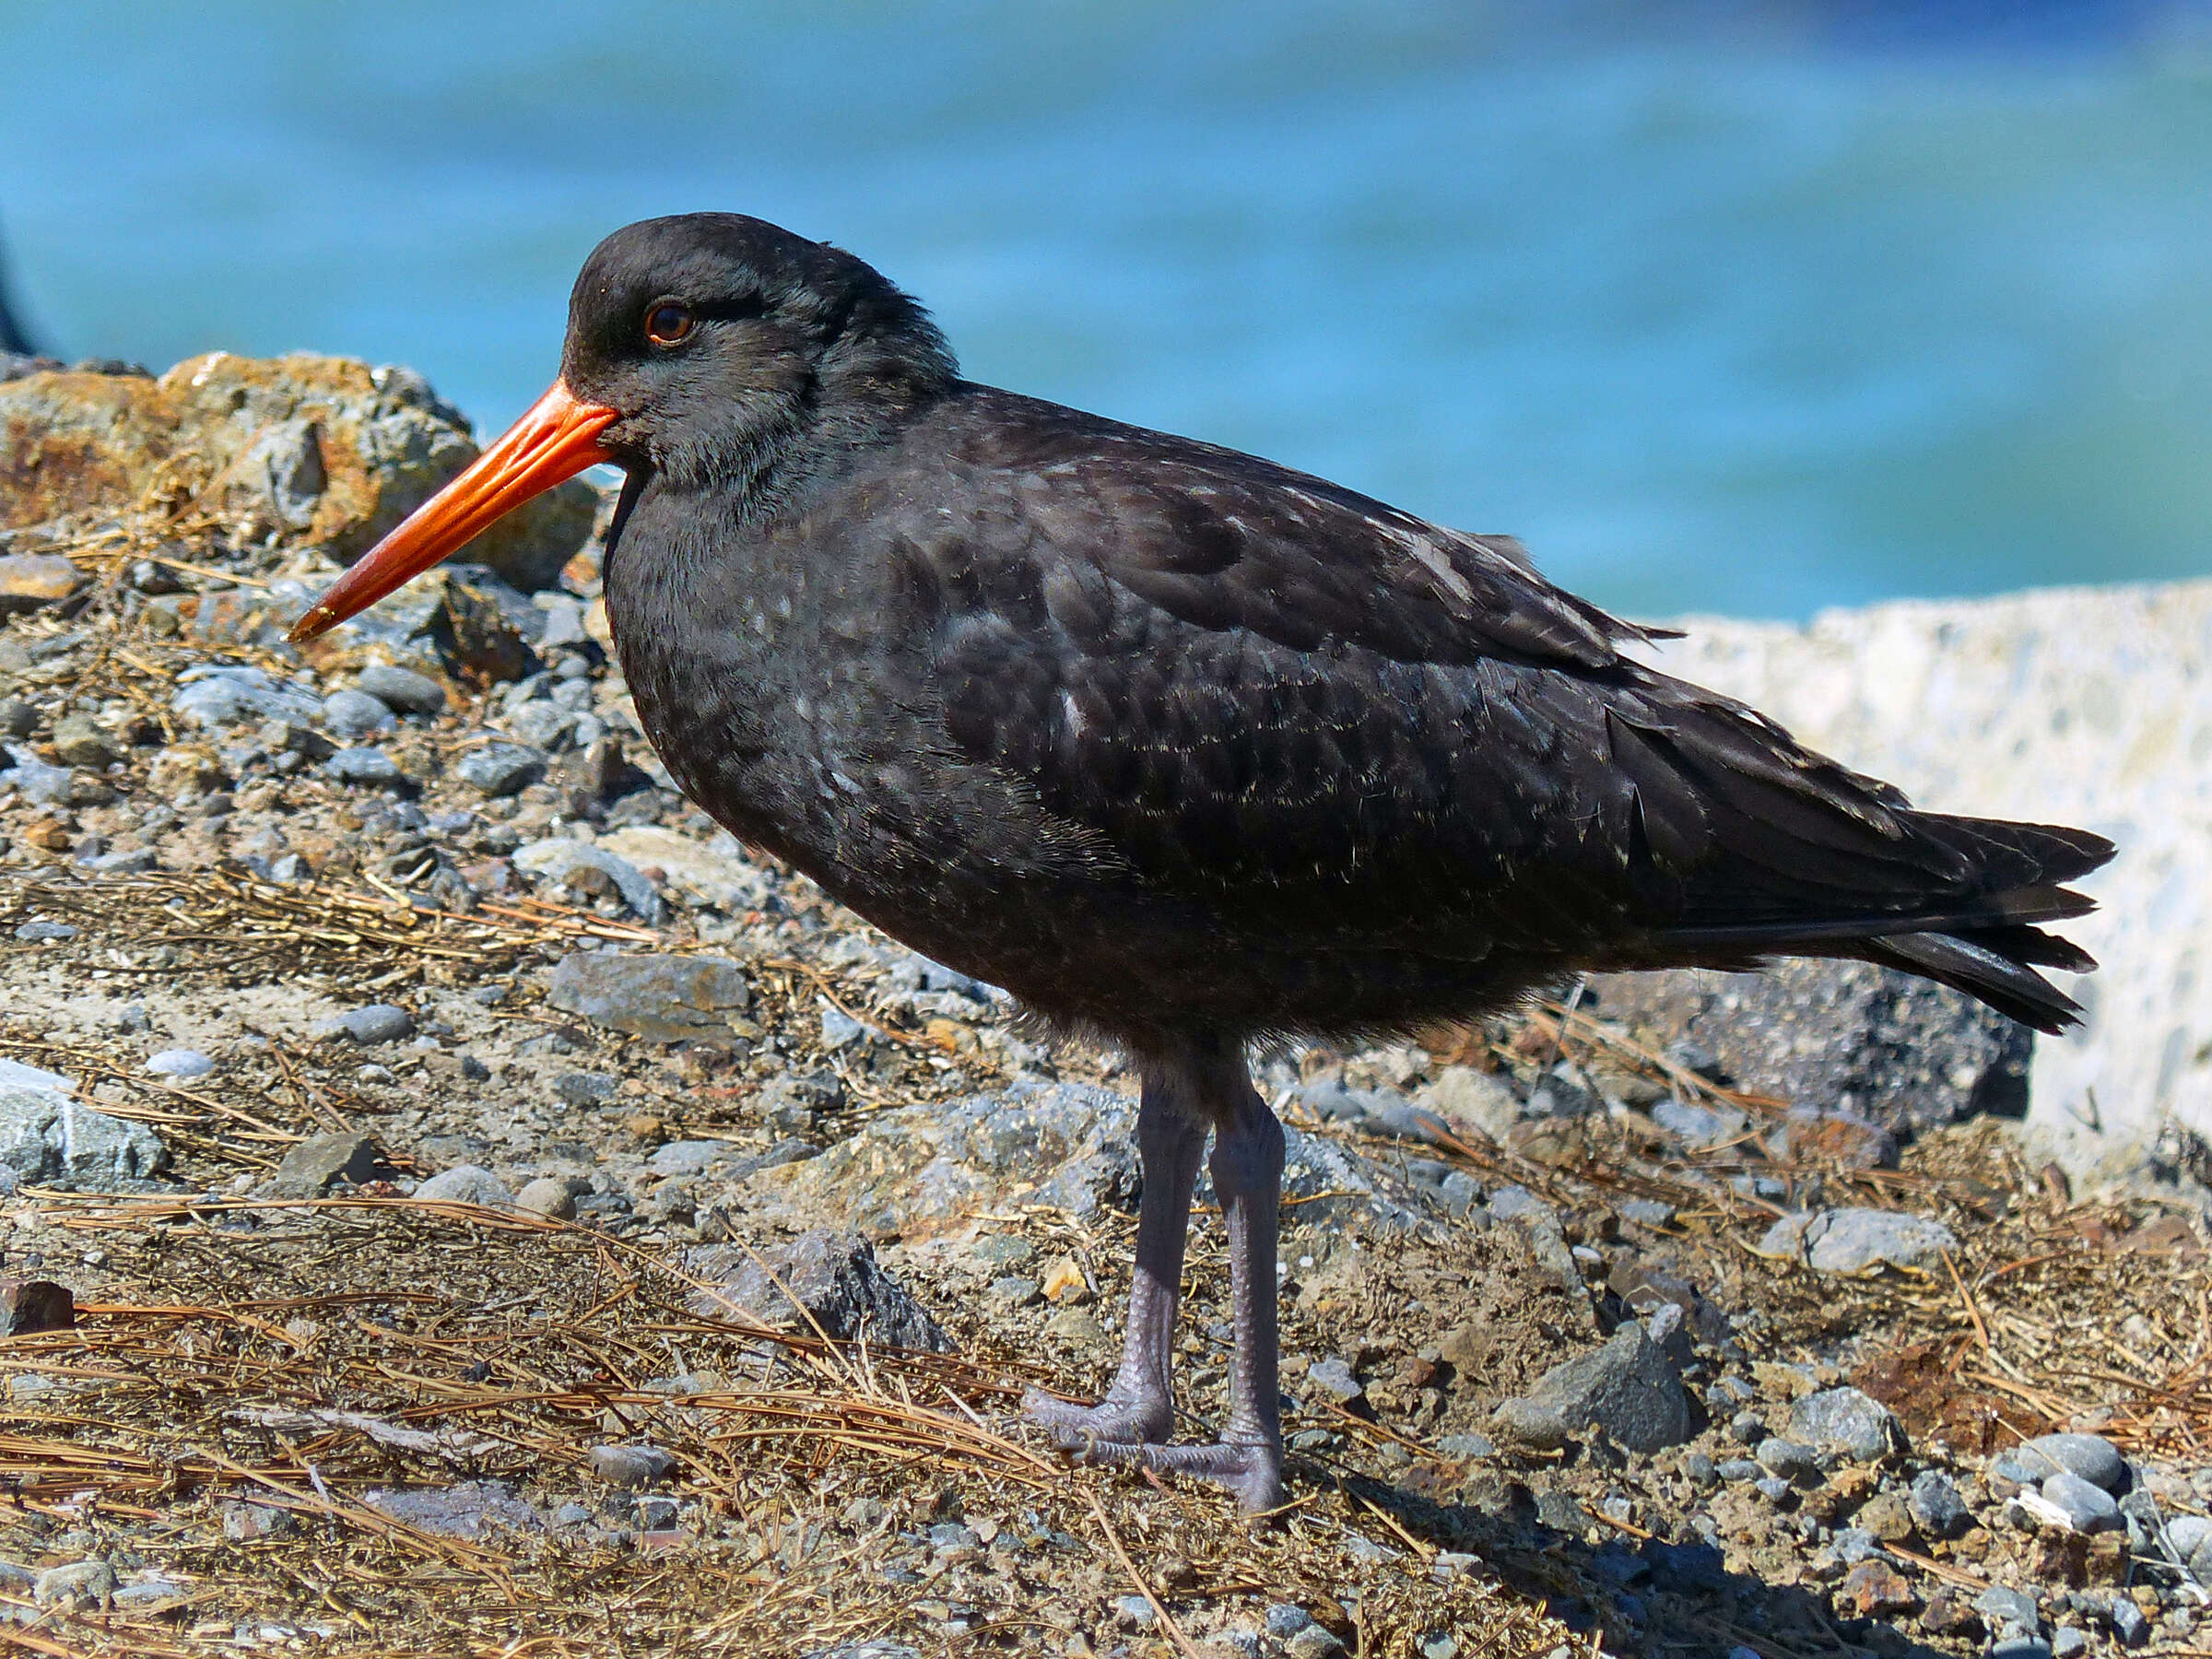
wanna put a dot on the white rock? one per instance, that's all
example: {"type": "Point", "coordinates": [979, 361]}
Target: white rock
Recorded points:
{"type": "Point", "coordinates": [2085, 706]}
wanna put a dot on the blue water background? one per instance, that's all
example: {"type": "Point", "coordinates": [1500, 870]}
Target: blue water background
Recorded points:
{"type": "Point", "coordinates": [1755, 308]}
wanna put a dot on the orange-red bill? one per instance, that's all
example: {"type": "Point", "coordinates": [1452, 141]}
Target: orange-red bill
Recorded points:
{"type": "Point", "coordinates": [555, 441]}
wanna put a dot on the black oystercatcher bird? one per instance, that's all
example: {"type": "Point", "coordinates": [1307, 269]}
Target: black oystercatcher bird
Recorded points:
{"type": "Point", "coordinates": [1180, 747]}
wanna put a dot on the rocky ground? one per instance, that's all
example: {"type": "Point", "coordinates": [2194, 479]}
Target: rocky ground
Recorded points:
{"type": "Point", "coordinates": [459, 1201]}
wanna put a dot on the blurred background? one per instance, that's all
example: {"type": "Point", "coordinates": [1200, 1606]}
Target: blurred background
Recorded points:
{"type": "Point", "coordinates": [1755, 308]}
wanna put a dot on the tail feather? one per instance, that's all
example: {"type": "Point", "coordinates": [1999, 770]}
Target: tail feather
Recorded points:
{"type": "Point", "coordinates": [2006, 982]}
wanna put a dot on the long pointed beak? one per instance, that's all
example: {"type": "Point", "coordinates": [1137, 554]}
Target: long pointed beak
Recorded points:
{"type": "Point", "coordinates": [555, 441]}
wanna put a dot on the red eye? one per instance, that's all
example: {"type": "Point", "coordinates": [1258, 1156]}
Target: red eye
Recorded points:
{"type": "Point", "coordinates": [668, 323]}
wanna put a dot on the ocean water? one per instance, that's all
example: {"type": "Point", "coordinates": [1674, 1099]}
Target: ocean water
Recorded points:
{"type": "Point", "coordinates": [1754, 307]}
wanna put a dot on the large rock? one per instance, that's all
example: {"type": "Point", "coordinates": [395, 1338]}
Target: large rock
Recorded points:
{"type": "Point", "coordinates": [1856, 1240]}
{"type": "Point", "coordinates": [840, 1288]}
{"type": "Point", "coordinates": [2079, 706]}
{"type": "Point", "coordinates": [50, 1139]}
{"type": "Point", "coordinates": [664, 998]}
{"type": "Point", "coordinates": [324, 452]}
{"type": "Point", "coordinates": [1899, 1052]}
{"type": "Point", "coordinates": [1627, 1387]}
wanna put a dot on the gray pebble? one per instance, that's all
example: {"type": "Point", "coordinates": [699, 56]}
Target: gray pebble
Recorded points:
{"type": "Point", "coordinates": [182, 1064]}
{"type": "Point", "coordinates": [1132, 1613]}
{"type": "Point", "coordinates": [2130, 1626]}
{"type": "Point", "coordinates": [91, 1581]}
{"type": "Point", "coordinates": [378, 1022]}
{"type": "Point", "coordinates": [2090, 1456]}
{"type": "Point", "coordinates": [1467, 1445]}
{"type": "Point", "coordinates": [1335, 1378]}
{"type": "Point", "coordinates": [550, 1197]}
{"type": "Point", "coordinates": [401, 688]}
{"type": "Point", "coordinates": [1775, 1488]}
{"type": "Point", "coordinates": [2086, 1508]}
{"type": "Point", "coordinates": [1285, 1619]}
{"type": "Point", "coordinates": [1855, 1544]}
{"type": "Point", "coordinates": [1739, 1469]}
{"type": "Point", "coordinates": [1937, 1507]}
{"type": "Point", "coordinates": [1848, 1421]}
{"type": "Point", "coordinates": [467, 1183]}
{"type": "Point", "coordinates": [583, 1087]}
{"type": "Point", "coordinates": [1014, 1292]}
{"type": "Point", "coordinates": [629, 1465]}
{"type": "Point", "coordinates": [38, 932]}
{"type": "Point", "coordinates": [2003, 1605]}
{"type": "Point", "coordinates": [500, 768]}
{"type": "Point", "coordinates": [370, 768]}
{"type": "Point", "coordinates": [353, 714]}
{"type": "Point", "coordinates": [1793, 1459]}
{"type": "Point", "coordinates": [2067, 1643]}
{"type": "Point", "coordinates": [2021, 1647]}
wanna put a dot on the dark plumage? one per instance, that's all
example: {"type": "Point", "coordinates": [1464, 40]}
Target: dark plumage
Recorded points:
{"type": "Point", "coordinates": [1183, 746]}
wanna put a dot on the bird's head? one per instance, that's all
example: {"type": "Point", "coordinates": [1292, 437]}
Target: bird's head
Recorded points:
{"type": "Point", "coordinates": [698, 348]}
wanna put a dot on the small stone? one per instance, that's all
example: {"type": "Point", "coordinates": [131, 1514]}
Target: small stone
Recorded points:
{"type": "Point", "coordinates": [1334, 1378]}
{"type": "Point", "coordinates": [1937, 1506]}
{"type": "Point", "coordinates": [585, 867]}
{"type": "Point", "coordinates": [1772, 1487]}
{"type": "Point", "coordinates": [1627, 1387]}
{"type": "Point", "coordinates": [1285, 1619]}
{"type": "Point", "coordinates": [79, 1581]}
{"type": "Point", "coordinates": [355, 714]}
{"type": "Point", "coordinates": [1790, 1458]}
{"type": "Point", "coordinates": [2089, 1456]}
{"type": "Point", "coordinates": [1467, 1446]}
{"type": "Point", "coordinates": [1888, 1516]}
{"type": "Point", "coordinates": [1947, 1614]}
{"type": "Point", "coordinates": [323, 1161]}
{"type": "Point", "coordinates": [465, 1184]}
{"type": "Point", "coordinates": [1077, 1327]}
{"type": "Point", "coordinates": [43, 933]}
{"type": "Point", "coordinates": [2021, 1647]}
{"type": "Point", "coordinates": [1014, 1292]}
{"type": "Point", "coordinates": [1065, 1286]}
{"type": "Point", "coordinates": [1314, 1642]}
{"type": "Point", "coordinates": [1855, 1544]}
{"type": "Point", "coordinates": [839, 1029]}
{"type": "Point", "coordinates": [2086, 1508]}
{"type": "Point", "coordinates": [181, 1064]}
{"type": "Point", "coordinates": [250, 1522]}
{"type": "Point", "coordinates": [1836, 1137]}
{"type": "Point", "coordinates": [1873, 1589]}
{"type": "Point", "coordinates": [30, 581]}
{"type": "Point", "coordinates": [2129, 1624]}
{"type": "Point", "coordinates": [1846, 1420]}
{"type": "Point", "coordinates": [549, 1197]}
{"type": "Point", "coordinates": [684, 1157]}
{"type": "Point", "coordinates": [1855, 1240]}
{"type": "Point", "coordinates": [28, 1306]}
{"type": "Point", "coordinates": [78, 741]}
{"type": "Point", "coordinates": [496, 770]}
{"type": "Point", "coordinates": [663, 998]}
{"type": "Point", "coordinates": [842, 1290]}
{"type": "Point", "coordinates": [629, 1465]}
{"type": "Point", "coordinates": [1134, 1613]}
{"type": "Point", "coordinates": [1737, 1470]}
{"type": "Point", "coordinates": [2005, 1608]}
{"type": "Point", "coordinates": [582, 1089]}
{"type": "Point", "coordinates": [378, 1022]}
{"type": "Point", "coordinates": [370, 768]}
{"type": "Point", "coordinates": [2067, 1643]}
{"type": "Point", "coordinates": [401, 688]}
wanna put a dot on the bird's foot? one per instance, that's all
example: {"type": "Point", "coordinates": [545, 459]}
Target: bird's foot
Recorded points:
{"type": "Point", "coordinates": [1132, 1431]}
{"type": "Point", "coordinates": [1118, 1420]}
{"type": "Point", "coordinates": [1252, 1470]}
